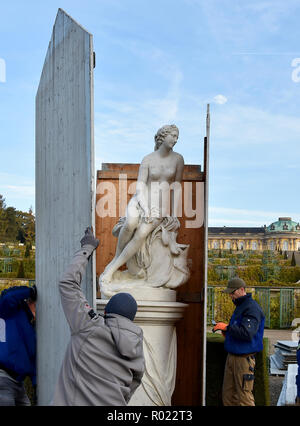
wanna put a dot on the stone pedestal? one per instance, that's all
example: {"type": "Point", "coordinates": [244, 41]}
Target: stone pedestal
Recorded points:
{"type": "Point", "coordinates": [157, 319]}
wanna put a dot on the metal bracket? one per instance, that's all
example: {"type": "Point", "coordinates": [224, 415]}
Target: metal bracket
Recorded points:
{"type": "Point", "coordinates": [197, 297]}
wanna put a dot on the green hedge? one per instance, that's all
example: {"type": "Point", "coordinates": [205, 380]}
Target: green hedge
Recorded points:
{"type": "Point", "coordinates": [215, 363]}
{"type": "Point", "coordinates": [30, 391]}
{"type": "Point", "coordinates": [270, 268]}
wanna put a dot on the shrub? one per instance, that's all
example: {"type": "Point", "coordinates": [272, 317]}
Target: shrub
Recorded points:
{"type": "Point", "coordinates": [31, 392]}
{"type": "Point", "coordinates": [223, 306]}
{"type": "Point", "coordinates": [21, 271]}
{"type": "Point", "coordinates": [215, 363]}
{"type": "Point", "coordinates": [212, 274]}
{"type": "Point", "coordinates": [275, 312]}
{"type": "Point", "coordinates": [27, 251]}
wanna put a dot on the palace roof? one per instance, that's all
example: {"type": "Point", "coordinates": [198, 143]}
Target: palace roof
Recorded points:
{"type": "Point", "coordinates": [235, 230]}
{"type": "Point", "coordinates": [283, 224]}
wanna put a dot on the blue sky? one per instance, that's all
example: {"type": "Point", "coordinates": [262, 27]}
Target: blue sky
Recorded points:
{"type": "Point", "coordinates": [160, 62]}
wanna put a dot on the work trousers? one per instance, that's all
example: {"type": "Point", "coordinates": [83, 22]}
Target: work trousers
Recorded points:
{"type": "Point", "coordinates": [238, 380]}
{"type": "Point", "coordinates": [12, 392]}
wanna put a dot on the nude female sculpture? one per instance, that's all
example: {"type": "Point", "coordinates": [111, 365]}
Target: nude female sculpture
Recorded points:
{"type": "Point", "coordinates": [144, 213]}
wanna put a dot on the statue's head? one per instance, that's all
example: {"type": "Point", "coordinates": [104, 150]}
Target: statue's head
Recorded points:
{"type": "Point", "coordinates": [162, 133]}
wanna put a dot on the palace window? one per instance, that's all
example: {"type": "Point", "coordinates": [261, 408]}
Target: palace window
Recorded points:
{"type": "Point", "coordinates": [7, 267]}
{"type": "Point", "coordinates": [285, 246]}
{"type": "Point", "coordinates": [216, 245]}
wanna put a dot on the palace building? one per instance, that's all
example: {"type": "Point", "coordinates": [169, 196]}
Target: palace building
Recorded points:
{"type": "Point", "coordinates": [283, 234]}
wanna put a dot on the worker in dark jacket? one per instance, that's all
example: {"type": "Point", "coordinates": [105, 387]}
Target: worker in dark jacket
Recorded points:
{"type": "Point", "coordinates": [17, 343]}
{"type": "Point", "coordinates": [104, 361]}
{"type": "Point", "coordinates": [243, 339]}
{"type": "Point", "coordinates": [298, 375]}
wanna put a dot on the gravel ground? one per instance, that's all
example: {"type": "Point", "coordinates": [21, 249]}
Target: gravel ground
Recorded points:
{"type": "Point", "coordinates": [274, 335]}
{"type": "Point", "coordinates": [275, 382]}
{"type": "Point", "coordinates": [275, 386]}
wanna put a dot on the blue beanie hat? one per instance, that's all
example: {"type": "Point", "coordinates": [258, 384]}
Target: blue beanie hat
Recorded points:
{"type": "Point", "coordinates": [122, 304]}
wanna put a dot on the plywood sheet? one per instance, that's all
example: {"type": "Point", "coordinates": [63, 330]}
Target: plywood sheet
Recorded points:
{"type": "Point", "coordinates": [191, 329]}
{"type": "Point", "coordinates": [64, 184]}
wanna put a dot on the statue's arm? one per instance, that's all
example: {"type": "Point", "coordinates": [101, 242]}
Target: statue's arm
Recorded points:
{"type": "Point", "coordinates": [141, 187]}
{"type": "Point", "coordinates": [176, 193]}
{"type": "Point", "coordinates": [179, 168]}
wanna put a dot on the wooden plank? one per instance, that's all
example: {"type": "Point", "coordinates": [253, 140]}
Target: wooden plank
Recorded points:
{"type": "Point", "coordinates": [190, 334]}
{"type": "Point", "coordinates": [190, 330]}
{"type": "Point", "coordinates": [64, 184]}
{"type": "Point", "coordinates": [113, 170]}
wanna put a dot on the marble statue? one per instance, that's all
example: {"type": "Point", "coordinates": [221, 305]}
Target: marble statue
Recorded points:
{"type": "Point", "coordinates": [147, 234]}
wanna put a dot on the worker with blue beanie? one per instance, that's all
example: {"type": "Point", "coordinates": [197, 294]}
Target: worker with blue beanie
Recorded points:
{"type": "Point", "coordinates": [104, 361]}
{"type": "Point", "coordinates": [122, 304]}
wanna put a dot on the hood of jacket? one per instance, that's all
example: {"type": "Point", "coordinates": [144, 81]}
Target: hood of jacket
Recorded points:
{"type": "Point", "coordinates": [127, 336]}
{"type": "Point", "coordinates": [242, 299]}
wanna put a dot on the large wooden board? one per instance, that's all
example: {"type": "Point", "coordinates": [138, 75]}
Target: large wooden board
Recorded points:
{"type": "Point", "coordinates": [191, 329]}
{"type": "Point", "coordinates": [64, 184]}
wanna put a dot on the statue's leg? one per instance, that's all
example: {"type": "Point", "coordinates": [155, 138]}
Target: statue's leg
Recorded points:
{"type": "Point", "coordinates": [126, 234]}
{"type": "Point", "coordinates": [174, 247]}
{"type": "Point", "coordinates": [131, 248]}
{"type": "Point", "coordinates": [127, 230]}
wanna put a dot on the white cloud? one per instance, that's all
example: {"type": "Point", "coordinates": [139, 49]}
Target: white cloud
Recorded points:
{"type": "Point", "coordinates": [240, 124]}
{"type": "Point", "coordinates": [220, 99]}
{"type": "Point", "coordinates": [292, 166]}
{"type": "Point", "coordinates": [20, 191]}
{"type": "Point", "coordinates": [123, 127]}
{"type": "Point", "coordinates": [244, 23]}
{"type": "Point", "coordinates": [223, 216]}
{"type": "Point", "coordinates": [234, 223]}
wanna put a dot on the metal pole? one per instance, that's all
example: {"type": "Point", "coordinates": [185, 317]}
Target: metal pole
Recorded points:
{"type": "Point", "coordinates": [206, 174]}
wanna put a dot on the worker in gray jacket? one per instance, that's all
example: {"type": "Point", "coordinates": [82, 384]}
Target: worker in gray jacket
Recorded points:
{"type": "Point", "coordinates": [104, 361]}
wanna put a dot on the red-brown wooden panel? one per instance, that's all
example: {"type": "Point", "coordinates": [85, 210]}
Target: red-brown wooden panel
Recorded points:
{"type": "Point", "coordinates": [188, 390]}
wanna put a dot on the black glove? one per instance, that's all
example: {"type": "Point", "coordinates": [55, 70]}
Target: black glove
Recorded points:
{"type": "Point", "coordinates": [89, 238]}
{"type": "Point", "coordinates": [33, 293]}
